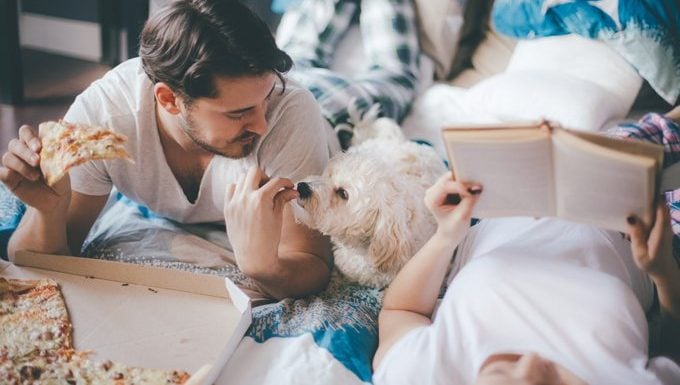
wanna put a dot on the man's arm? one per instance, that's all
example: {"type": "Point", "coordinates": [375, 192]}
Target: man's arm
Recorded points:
{"type": "Point", "coordinates": [60, 231]}
{"type": "Point", "coordinates": [285, 258]}
{"type": "Point", "coordinates": [82, 214]}
{"type": "Point", "coordinates": [56, 216]}
{"type": "Point", "coordinates": [303, 265]}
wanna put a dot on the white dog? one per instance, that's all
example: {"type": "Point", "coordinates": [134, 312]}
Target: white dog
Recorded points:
{"type": "Point", "coordinates": [369, 200]}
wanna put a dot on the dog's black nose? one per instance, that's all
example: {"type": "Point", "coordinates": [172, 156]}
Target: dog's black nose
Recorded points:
{"type": "Point", "coordinates": [304, 190]}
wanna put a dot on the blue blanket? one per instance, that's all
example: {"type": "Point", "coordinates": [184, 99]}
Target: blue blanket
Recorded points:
{"type": "Point", "coordinates": [644, 32]}
{"type": "Point", "coordinates": [11, 211]}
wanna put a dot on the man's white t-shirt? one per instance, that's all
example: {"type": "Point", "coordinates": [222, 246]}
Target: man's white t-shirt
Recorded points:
{"type": "Point", "coordinates": [566, 291]}
{"type": "Point", "coordinates": [298, 143]}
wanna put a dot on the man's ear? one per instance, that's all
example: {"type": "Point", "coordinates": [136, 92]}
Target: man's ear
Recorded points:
{"type": "Point", "coordinates": [167, 98]}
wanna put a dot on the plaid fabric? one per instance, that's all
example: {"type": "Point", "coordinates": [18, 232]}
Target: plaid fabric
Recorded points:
{"type": "Point", "coordinates": [388, 29]}
{"type": "Point", "coordinates": [658, 129]}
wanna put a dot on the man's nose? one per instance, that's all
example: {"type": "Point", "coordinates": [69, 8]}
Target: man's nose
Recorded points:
{"type": "Point", "coordinates": [304, 190]}
{"type": "Point", "coordinates": [259, 124]}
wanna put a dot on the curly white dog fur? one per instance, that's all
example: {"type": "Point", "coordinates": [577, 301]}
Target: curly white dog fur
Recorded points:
{"type": "Point", "coordinates": [369, 200]}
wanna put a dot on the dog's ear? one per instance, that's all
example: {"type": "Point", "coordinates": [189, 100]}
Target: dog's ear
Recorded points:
{"type": "Point", "coordinates": [391, 241]}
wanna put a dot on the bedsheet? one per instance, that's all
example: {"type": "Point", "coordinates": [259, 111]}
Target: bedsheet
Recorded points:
{"type": "Point", "coordinates": [329, 338]}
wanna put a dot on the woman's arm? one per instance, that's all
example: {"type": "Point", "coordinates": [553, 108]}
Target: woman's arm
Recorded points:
{"type": "Point", "coordinates": [653, 253]}
{"type": "Point", "coordinates": [410, 299]}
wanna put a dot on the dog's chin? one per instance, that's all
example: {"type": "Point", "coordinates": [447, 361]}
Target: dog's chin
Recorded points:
{"type": "Point", "coordinates": [301, 214]}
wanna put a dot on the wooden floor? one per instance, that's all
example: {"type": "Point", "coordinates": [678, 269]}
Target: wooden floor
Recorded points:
{"type": "Point", "coordinates": [51, 82]}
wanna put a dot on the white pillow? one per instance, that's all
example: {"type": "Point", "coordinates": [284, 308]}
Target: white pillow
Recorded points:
{"type": "Point", "coordinates": [490, 58]}
{"type": "Point", "coordinates": [522, 95]}
{"type": "Point", "coordinates": [441, 105]}
{"type": "Point", "coordinates": [582, 58]}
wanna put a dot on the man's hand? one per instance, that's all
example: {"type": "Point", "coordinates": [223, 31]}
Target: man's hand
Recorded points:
{"type": "Point", "coordinates": [253, 214]}
{"type": "Point", "coordinates": [20, 172]}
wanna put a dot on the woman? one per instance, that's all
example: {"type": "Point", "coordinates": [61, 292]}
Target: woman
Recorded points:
{"type": "Point", "coordinates": [531, 301]}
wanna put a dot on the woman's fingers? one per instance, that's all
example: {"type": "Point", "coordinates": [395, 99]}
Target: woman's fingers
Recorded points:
{"type": "Point", "coordinates": [662, 220]}
{"type": "Point", "coordinates": [638, 241]}
{"type": "Point", "coordinates": [451, 192]}
{"type": "Point", "coordinates": [660, 238]}
{"type": "Point", "coordinates": [637, 230]}
{"type": "Point", "coordinates": [466, 205]}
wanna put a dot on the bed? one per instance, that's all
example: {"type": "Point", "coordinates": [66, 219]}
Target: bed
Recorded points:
{"type": "Point", "coordinates": [330, 338]}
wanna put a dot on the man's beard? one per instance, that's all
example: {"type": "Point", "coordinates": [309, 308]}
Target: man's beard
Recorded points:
{"type": "Point", "coordinates": [234, 150]}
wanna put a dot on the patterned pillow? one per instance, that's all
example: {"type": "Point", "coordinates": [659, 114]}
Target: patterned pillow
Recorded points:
{"type": "Point", "coordinates": [11, 211]}
{"type": "Point", "coordinates": [645, 33]}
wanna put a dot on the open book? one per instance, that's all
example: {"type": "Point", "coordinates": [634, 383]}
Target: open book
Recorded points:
{"type": "Point", "coordinates": [529, 171]}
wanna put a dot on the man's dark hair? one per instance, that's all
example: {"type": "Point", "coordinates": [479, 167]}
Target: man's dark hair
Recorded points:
{"type": "Point", "coordinates": [190, 42]}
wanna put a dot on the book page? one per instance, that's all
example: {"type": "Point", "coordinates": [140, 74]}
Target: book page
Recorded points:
{"type": "Point", "coordinates": [516, 175]}
{"type": "Point", "coordinates": [629, 145]}
{"type": "Point", "coordinates": [599, 185]}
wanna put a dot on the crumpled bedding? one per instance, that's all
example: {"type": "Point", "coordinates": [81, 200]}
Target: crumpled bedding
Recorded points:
{"type": "Point", "coordinates": [329, 338]}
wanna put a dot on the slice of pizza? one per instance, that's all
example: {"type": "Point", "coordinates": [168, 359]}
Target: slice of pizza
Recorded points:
{"type": "Point", "coordinates": [34, 318]}
{"type": "Point", "coordinates": [36, 345]}
{"type": "Point", "coordinates": [66, 145]}
{"type": "Point", "coordinates": [71, 367]}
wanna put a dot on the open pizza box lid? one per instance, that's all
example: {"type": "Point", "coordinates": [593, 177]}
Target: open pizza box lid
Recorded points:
{"type": "Point", "coordinates": [145, 316]}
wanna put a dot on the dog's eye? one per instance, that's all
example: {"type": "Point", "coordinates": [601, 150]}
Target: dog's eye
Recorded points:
{"type": "Point", "coordinates": [342, 193]}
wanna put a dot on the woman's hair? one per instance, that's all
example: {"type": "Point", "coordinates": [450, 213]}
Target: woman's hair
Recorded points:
{"type": "Point", "coordinates": [190, 42]}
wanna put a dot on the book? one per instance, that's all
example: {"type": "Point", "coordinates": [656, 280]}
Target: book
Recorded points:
{"type": "Point", "coordinates": [526, 170]}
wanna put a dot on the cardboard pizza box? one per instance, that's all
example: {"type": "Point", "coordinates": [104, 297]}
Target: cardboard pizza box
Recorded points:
{"type": "Point", "coordinates": [145, 316]}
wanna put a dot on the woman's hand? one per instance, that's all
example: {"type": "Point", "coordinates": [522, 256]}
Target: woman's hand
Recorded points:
{"type": "Point", "coordinates": [451, 203]}
{"type": "Point", "coordinates": [653, 247]}
{"type": "Point", "coordinates": [653, 254]}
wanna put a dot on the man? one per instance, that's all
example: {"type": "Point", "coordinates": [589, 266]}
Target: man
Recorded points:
{"type": "Point", "coordinates": [209, 116]}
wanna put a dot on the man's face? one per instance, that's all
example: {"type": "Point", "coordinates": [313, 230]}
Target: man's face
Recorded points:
{"type": "Point", "coordinates": [528, 369]}
{"type": "Point", "coordinates": [231, 123]}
